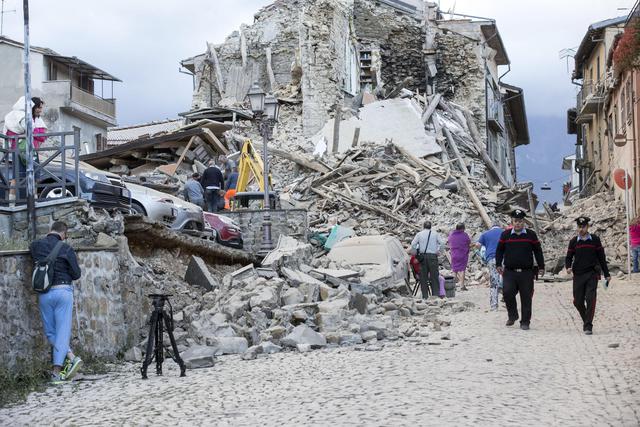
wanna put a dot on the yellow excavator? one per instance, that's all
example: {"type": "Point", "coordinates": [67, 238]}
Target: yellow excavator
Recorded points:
{"type": "Point", "coordinates": [250, 169]}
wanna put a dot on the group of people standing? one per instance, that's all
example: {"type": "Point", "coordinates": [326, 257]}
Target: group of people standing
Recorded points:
{"type": "Point", "coordinates": [210, 190]}
{"type": "Point", "coordinates": [510, 254]}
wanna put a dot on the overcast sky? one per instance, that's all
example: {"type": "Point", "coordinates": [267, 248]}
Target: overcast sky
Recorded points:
{"type": "Point", "coordinates": [142, 41]}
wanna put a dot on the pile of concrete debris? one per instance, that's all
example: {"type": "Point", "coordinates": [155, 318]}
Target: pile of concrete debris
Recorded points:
{"type": "Point", "coordinates": [294, 302]}
{"type": "Point", "coordinates": [608, 221]}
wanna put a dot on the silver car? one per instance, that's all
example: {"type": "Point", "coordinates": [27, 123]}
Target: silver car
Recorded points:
{"type": "Point", "coordinates": [185, 215]}
{"type": "Point", "coordinates": [153, 204]}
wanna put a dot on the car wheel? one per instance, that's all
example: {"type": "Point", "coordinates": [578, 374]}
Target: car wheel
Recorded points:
{"type": "Point", "coordinates": [138, 208]}
{"type": "Point", "coordinates": [57, 192]}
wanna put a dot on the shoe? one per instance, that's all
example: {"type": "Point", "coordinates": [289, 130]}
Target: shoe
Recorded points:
{"type": "Point", "coordinates": [588, 332]}
{"type": "Point", "coordinates": [493, 309]}
{"type": "Point", "coordinates": [57, 379]}
{"type": "Point", "coordinates": [510, 322]}
{"type": "Point", "coordinates": [464, 288]}
{"type": "Point", "coordinates": [71, 368]}
{"type": "Point", "coordinates": [524, 326]}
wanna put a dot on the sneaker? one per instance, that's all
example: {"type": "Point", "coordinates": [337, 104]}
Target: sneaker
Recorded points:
{"type": "Point", "coordinates": [71, 368]}
{"type": "Point", "coordinates": [510, 322]}
{"type": "Point", "coordinates": [57, 379]}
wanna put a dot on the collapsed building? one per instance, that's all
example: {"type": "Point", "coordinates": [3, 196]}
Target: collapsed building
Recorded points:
{"type": "Point", "coordinates": [323, 56]}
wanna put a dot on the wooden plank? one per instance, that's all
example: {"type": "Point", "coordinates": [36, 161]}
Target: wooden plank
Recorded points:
{"type": "Point", "coordinates": [356, 137]}
{"type": "Point", "coordinates": [415, 161]}
{"type": "Point", "coordinates": [476, 201]}
{"type": "Point", "coordinates": [452, 143]}
{"type": "Point", "coordinates": [365, 205]}
{"type": "Point", "coordinates": [336, 128]}
{"type": "Point", "coordinates": [300, 160]}
{"type": "Point", "coordinates": [475, 135]}
{"type": "Point", "coordinates": [431, 108]}
{"type": "Point", "coordinates": [184, 153]}
{"type": "Point", "coordinates": [211, 138]}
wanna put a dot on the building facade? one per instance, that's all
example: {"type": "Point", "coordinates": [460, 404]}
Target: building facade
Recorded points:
{"type": "Point", "coordinates": [605, 120]}
{"type": "Point", "coordinates": [73, 91]}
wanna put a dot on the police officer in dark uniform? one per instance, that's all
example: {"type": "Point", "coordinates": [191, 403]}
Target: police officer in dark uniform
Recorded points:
{"type": "Point", "coordinates": [586, 260]}
{"type": "Point", "coordinates": [516, 249]}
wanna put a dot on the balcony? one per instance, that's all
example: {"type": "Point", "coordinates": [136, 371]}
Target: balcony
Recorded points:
{"type": "Point", "coordinates": [590, 98]}
{"type": "Point", "coordinates": [63, 94]}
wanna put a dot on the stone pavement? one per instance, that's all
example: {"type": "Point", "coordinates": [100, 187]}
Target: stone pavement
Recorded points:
{"type": "Point", "coordinates": [486, 374]}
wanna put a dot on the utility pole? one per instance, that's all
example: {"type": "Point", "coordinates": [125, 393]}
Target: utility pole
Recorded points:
{"type": "Point", "coordinates": [31, 202]}
{"type": "Point", "coordinates": [2, 13]}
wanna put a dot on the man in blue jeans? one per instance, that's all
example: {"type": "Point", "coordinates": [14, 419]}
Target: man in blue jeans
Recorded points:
{"type": "Point", "coordinates": [56, 305]}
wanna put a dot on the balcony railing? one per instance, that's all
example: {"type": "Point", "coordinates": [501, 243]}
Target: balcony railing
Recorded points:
{"type": "Point", "coordinates": [62, 93]}
{"type": "Point", "coordinates": [590, 97]}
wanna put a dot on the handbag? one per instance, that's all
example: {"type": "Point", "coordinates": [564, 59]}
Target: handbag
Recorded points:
{"type": "Point", "coordinates": [423, 256]}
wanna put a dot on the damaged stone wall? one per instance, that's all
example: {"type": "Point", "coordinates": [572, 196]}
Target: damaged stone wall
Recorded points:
{"type": "Point", "coordinates": [400, 38]}
{"type": "Point", "coordinates": [110, 303]}
{"type": "Point", "coordinates": [325, 37]}
{"type": "Point", "coordinates": [461, 76]}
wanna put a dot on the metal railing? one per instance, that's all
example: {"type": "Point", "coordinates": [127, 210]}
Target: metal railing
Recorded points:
{"type": "Point", "coordinates": [89, 100]}
{"type": "Point", "coordinates": [56, 171]}
{"type": "Point", "coordinates": [590, 90]}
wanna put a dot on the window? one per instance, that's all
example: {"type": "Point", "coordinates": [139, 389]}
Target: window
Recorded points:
{"type": "Point", "coordinates": [52, 71]}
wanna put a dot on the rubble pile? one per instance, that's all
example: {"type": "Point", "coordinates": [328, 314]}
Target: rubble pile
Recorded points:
{"type": "Point", "coordinates": [298, 303]}
{"type": "Point", "coordinates": [607, 221]}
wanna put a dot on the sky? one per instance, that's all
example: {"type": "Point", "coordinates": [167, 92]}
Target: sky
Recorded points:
{"type": "Point", "coordinates": [142, 42]}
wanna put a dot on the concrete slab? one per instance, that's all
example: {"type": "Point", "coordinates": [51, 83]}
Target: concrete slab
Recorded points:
{"type": "Point", "coordinates": [381, 121]}
{"type": "Point", "coordinates": [198, 274]}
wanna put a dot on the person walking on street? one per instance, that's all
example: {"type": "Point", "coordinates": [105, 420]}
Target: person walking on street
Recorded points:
{"type": "Point", "coordinates": [193, 191]}
{"type": "Point", "coordinates": [516, 249]}
{"type": "Point", "coordinates": [427, 245]}
{"type": "Point", "coordinates": [212, 181]}
{"type": "Point", "coordinates": [489, 239]}
{"type": "Point", "coordinates": [459, 245]}
{"type": "Point", "coordinates": [56, 305]}
{"type": "Point", "coordinates": [586, 260]}
{"type": "Point", "coordinates": [634, 237]}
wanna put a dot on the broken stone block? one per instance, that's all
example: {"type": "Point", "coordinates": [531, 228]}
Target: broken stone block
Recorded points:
{"type": "Point", "coordinates": [252, 352]}
{"type": "Point", "coordinates": [105, 241]}
{"type": "Point", "coordinates": [134, 354]}
{"type": "Point", "coordinates": [198, 274]}
{"type": "Point", "coordinates": [311, 291]}
{"type": "Point", "coordinates": [292, 296]}
{"type": "Point", "coordinates": [327, 292]}
{"type": "Point", "coordinates": [350, 339]}
{"type": "Point", "coordinates": [359, 302]}
{"type": "Point", "coordinates": [297, 278]}
{"type": "Point", "coordinates": [303, 348]}
{"type": "Point", "coordinates": [228, 345]}
{"type": "Point", "coordinates": [332, 337]}
{"type": "Point", "coordinates": [334, 306]}
{"type": "Point", "coordinates": [266, 297]}
{"type": "Point", "coordinates": [299, 315]}
{"type": "Point", "coordinates": [244, 273]}
{"type": "Point", "coordinates": [302, 334]}
{"type": "Point", "coordinates": [199, 356]}
{"type": "Point", "coordinates": [369, 335]}
{"type": "Point", "coordinates": [269, 348]}
{"type": "Point", "coordinates": [328, 322]}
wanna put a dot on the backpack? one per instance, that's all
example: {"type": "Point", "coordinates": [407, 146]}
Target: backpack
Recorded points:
{"type": "Point", "coordinates": [42, 277]}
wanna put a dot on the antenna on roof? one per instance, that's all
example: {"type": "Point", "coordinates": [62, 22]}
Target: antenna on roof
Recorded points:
{"type": "Point", "coordinates": [2, 13]}
{"type": "Point", "coordinates": [567, 53]}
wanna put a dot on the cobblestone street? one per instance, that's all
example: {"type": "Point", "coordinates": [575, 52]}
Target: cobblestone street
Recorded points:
{"type": "Point", "coordinates": [486, 374]}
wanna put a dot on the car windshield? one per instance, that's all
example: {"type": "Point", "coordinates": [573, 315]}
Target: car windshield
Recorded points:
{"type": "Point", "coordinates": [361, 254]}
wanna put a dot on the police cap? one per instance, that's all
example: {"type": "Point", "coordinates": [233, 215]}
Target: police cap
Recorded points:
{"type": "Point", "coordinates": [582, 220]}
{"type": "Point", "coordinates": [518, 213]}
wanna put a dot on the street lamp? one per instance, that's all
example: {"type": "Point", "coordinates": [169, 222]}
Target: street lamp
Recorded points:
{"type": "Point", "coordinates": [265, 109]}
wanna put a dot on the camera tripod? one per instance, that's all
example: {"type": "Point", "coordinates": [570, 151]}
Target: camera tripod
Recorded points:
{"type": "Point", "coordinates": [155, 349]}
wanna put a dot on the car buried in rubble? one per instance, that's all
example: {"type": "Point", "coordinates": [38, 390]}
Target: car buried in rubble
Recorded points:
{"type": "Point", "coordinates": [383, 259]}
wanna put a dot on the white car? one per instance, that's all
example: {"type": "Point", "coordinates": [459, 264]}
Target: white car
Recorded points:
{"type": "Point", "coordinates": [382, 258]}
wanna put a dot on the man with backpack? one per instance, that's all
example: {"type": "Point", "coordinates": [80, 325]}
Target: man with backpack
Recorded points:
{"type": "Point", "coordinates": [56, 301]}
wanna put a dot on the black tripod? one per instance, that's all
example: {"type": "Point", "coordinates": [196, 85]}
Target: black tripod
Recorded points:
{"type": "Point", "coordinates": [158, 320]}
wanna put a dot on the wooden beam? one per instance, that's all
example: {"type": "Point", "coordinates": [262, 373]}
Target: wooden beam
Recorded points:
{"type": "Point", "coordinates": [356, 137]}
{"type": "Point", "coordinates": [211, 138]}
{"type": "Point", "coordinates": [475, 135]}
{"type": "Point", "coordinates": [532, 208]}
{"type": "Point", "coordinates": [476, 201]}
{"type": "Point", "coordinates": [461, 164]}
{"type": "Point", "coordinates": [336, 128]}
{"type": "Point", "coordinates": [300, 160]}
{"type": "Point", "coordinates": [431, 108]}
{"type": "Point", "coordinates": [417, 162]}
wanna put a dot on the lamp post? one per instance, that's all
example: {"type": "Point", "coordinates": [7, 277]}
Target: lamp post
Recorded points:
{"type": "Point", "coordinates": [265, 109]}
